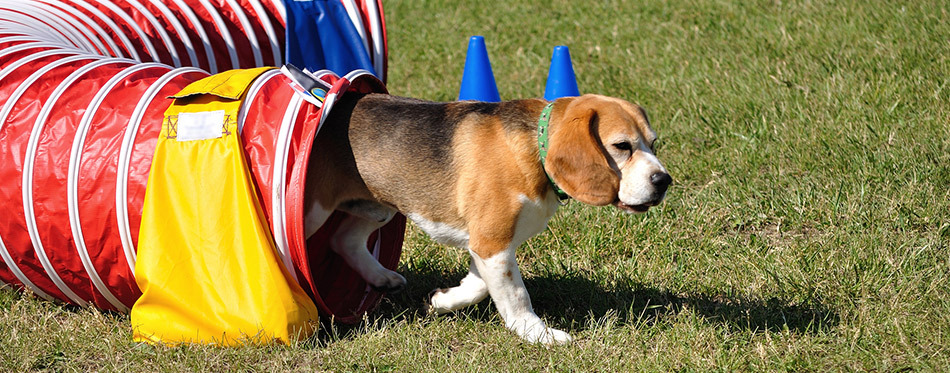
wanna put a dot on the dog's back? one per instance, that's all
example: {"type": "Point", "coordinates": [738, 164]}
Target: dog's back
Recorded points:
{"type": "Point", "coordinates": [398, 145]}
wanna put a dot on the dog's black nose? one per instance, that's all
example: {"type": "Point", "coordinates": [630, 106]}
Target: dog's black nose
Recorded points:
{"type": "Point", "coordinates": [661, 180]}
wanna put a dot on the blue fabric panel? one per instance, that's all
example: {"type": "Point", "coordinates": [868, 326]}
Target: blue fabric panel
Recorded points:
{"type": "Point", "coordinates": [321, 36]}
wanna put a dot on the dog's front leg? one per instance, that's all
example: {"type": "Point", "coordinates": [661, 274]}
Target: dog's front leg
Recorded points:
{"type": "Point", "coordinates": [501, 275]}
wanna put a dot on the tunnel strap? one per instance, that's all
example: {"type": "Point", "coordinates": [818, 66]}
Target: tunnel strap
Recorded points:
{"type": "Point", "coordinates": [207, 263]}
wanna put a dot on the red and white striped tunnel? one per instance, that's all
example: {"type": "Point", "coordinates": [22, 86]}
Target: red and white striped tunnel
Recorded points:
{"type": "Point", "coordinates": [84, 86]}
{"type": "Point", "coordinates": [214, 35]}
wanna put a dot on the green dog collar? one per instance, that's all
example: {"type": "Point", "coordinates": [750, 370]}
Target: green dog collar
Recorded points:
{"type": "Point", "coordinates": [543, 147]}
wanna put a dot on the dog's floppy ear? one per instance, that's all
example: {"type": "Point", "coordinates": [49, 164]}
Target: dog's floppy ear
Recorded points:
{"type": "Point", "coordinates": [576, 160]}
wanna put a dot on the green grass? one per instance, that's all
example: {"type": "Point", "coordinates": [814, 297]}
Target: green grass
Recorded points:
{"type": "Point", "coordinates": [808, 227]}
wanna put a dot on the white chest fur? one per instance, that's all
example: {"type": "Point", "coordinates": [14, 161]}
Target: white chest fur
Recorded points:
{"type": "Point", "coordinates": [532, 219]}
{"type": "Point", "coordinates": [534, 216]}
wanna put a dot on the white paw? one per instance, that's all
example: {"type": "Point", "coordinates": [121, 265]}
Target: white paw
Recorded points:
{"type": "Point", "coordinates": [437, 306]}
{"type": "Point", "coordinates": [387, 281]}
{"type": "Point", "coordinates": [551, 336]}
{"type": "Point", "coordinates": [532, 329]}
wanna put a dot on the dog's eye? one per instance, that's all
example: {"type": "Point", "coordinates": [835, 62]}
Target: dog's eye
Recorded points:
{"type": "Point", "coordinates": [623, 146]}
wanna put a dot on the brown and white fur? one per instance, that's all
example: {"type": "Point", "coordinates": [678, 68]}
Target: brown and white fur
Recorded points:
{"type": "Point", "coordinates": [469, 174]}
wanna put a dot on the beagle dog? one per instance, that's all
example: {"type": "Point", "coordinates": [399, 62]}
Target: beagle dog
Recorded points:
{"type": "Point", "coordinates": [471, 175]}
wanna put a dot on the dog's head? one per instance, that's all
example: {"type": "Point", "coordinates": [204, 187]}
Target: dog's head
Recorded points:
{"type": "Point", "coordinates": [601, 152]}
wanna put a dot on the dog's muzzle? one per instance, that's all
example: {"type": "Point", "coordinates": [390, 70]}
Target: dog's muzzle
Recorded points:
{"type": "Point", "coordinates": [660, 181]}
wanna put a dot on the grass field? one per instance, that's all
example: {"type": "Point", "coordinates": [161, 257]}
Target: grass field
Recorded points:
{"type": "Point", "coordinates": [808, 228]}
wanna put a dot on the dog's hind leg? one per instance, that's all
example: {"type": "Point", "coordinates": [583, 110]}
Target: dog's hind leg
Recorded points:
{"type": "Point", "coordinates": [349, 241]}
{"type": "Point", "coordinates": [316, 216]}
{"type": "Point", "coordinates": [471, 290]}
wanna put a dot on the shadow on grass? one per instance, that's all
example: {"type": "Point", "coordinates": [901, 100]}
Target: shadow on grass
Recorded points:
{"type": "Point", "coordinates": [570, 302]}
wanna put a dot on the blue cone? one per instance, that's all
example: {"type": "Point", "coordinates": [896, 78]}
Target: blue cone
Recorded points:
{"type": "Point", "coordinates": [478, 82]}
{"type": "Point", "coordinates": [561, 79]}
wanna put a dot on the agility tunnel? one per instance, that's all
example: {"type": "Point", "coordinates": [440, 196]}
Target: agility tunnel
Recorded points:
{"type": "Point", "coordinates": [85, 91]}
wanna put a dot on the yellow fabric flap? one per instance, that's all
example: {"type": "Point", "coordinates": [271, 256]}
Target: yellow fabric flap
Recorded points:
{"type": "Point", "coordinates": [207, 264]}
{"type": "Point", "coordinates": [230, 84]}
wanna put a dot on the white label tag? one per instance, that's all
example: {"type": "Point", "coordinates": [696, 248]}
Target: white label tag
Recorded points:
{"type": "Point", "coordinates": [201, 125]}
